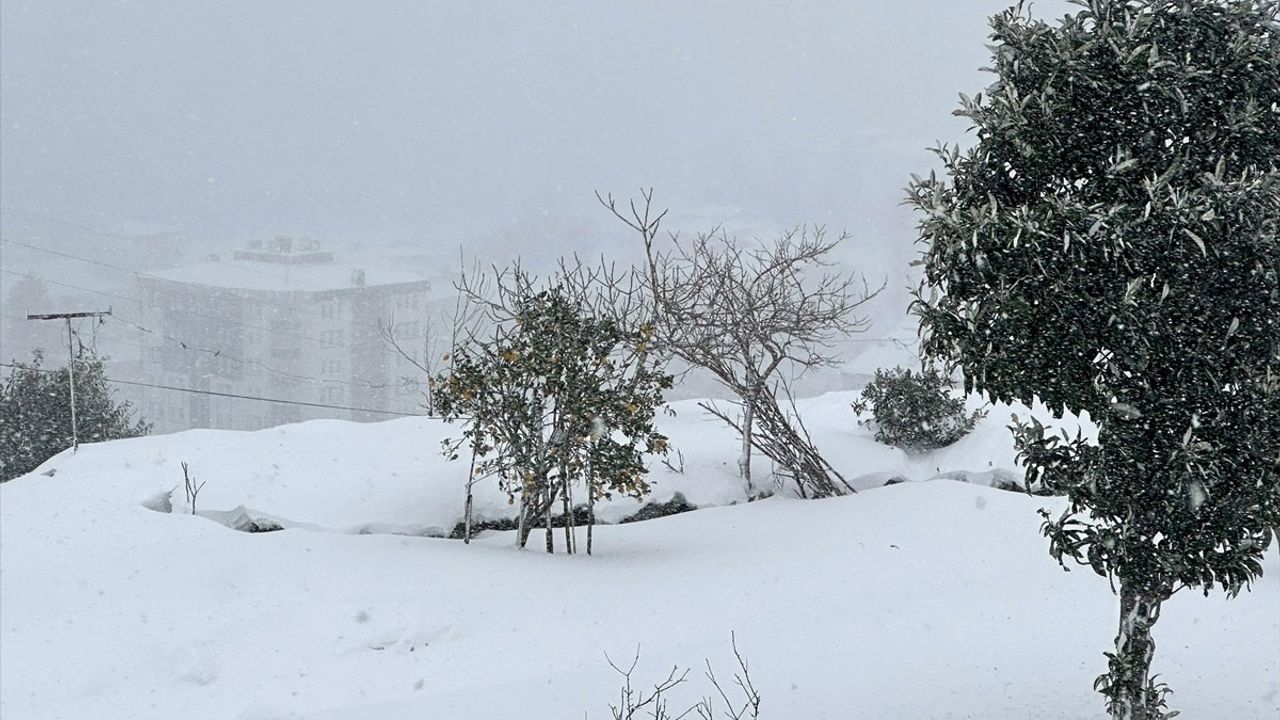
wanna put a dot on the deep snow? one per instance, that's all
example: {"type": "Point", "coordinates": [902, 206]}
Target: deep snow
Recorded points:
{"type": "Point", "coordinates": [919, 600]}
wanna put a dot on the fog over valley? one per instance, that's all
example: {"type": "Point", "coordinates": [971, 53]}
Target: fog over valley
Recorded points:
{"type": "Point", "coordinates": [147, 137]}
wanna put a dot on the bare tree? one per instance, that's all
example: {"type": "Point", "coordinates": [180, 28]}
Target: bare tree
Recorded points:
{"type": "Point", "coordinates": [439, 335]}
{"type": "Point", "coordinates": [753, 316]}
{"type": "Point", "coordinates": [603, 290]}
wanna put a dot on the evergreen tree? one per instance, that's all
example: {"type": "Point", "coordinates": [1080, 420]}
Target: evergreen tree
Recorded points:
{"type": "Point", "coordinates": [35, 413]}
{"type": "Point", "coordinates": [1109, 246]}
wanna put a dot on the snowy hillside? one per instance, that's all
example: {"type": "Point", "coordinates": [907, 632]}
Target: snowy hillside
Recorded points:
{"type": "Point", "coordinates": [920, 600]}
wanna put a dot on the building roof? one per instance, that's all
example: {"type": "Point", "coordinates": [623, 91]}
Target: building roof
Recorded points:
{"type": "Point", "coordinates": [239, 274]}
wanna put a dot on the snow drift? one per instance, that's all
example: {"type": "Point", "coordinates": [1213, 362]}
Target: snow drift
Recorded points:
{"type": "Point", "coordinates": [918, 600]}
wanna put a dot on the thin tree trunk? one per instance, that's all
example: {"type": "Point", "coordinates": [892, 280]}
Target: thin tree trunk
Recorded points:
{"type": "Point", "coordinates": [591, 496]}
{"type": "Point", "coordinates": [572, 518]}
{"type": "Point", "coordinates": [551, 539]}
{"type": "Point", "coordinates": [744, 460]}
{"type": "Point", "coordinates": [466, 517]}
{"type": "Point", "coordinates": [568, 515]}
{"type": "Point", "coordinates": [1129, 675]}
{"type": "Point", "coordinates": [522, 532]}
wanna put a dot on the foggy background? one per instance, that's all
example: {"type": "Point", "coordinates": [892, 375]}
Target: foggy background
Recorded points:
{"type": "Point", "coordinates": [148, 135]}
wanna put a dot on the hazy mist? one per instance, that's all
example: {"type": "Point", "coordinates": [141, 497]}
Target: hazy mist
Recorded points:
{"type": "Point", "coordinates": [150, 134]}
{"type": "Point", "coordinates": [419, 122]}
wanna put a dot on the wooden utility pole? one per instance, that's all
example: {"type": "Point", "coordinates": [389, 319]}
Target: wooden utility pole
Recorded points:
{"type": "Point", "coordinates": [71, 359]}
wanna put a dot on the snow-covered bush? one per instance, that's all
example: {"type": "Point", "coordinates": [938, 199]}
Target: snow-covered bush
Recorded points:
{"type": "Point", "coordinates": [915, 410]}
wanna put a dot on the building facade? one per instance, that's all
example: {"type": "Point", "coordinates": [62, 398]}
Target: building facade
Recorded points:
{"type": "Point", "coordinates": [279, 321]}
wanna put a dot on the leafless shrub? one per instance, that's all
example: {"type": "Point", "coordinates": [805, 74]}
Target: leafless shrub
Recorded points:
{"type": "Point", "coordinates": [191, 487]}
{"type": "Point", "coordinates": [678, 465]}
{"type": "Point", "coordinates": [749, 709]}
{"type": "Point", "coordinates": [751, 315]}
{"type": "Point", "coordinates": [740, 700]}
{"type": "Point", "coordinates": [634, 703]}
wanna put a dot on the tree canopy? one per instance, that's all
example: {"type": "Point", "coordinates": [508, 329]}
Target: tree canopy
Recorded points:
{"type": "Point", "coordinates": [557, 395]}
{"type": "Point", "coordinates": [1109, 245]}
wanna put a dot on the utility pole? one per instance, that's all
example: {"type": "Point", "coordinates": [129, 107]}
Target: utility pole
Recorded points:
{"type": "Point", "coordinates": [71, 359]}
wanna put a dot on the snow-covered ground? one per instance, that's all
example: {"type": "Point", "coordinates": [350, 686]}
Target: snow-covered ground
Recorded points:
{"type": "Point", "coordinates": [921, 600]}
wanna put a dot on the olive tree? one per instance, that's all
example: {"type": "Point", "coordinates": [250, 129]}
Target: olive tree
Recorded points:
{"type": "Point", "coordinates": [1109, 245]}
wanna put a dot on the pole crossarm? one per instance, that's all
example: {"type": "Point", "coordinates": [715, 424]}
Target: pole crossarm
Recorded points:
{"type": "Point", "coordinates": [71, 364]}
{"type": "Point", "coordinates": [68, 316]}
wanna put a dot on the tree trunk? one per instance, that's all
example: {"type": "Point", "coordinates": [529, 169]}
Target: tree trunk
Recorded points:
{"type": "Point", "coordinates": [523, 529]}
{"type": "Point", "coordinates": [591, 497]}
{"type": "Point", "coordinates": [466, 516]}
{"type": "Point", "coordinates": [1129, 687]}
{"type": "Point", "coordinates": [744, 460]}
{"type": "Point", "coordinates": [551, 539]}
{"type": "Point", "coordinates": [567, 503]}
{"type": "Point", "coordinates": [788, 444]}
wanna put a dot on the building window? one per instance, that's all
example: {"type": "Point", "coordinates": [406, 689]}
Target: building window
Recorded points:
{"type": "Point", "coordinates": [330, 338]}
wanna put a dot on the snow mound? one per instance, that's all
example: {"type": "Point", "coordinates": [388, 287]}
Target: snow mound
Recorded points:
{"type": "Point", "coordinates": [922, 600]}
{"type": "Point", "coordinates": [390, 477]}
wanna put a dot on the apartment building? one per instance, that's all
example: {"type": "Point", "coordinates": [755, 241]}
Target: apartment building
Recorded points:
{"type": "Point", "coordinates": [283, 320]}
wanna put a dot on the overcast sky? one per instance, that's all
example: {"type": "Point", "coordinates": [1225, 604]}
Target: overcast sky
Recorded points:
{"type": "Point", "coordinates": [396, 121]}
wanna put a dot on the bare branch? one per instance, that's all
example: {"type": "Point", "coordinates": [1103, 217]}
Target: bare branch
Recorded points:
{"type": "Point", "coordinates": [746, 313]}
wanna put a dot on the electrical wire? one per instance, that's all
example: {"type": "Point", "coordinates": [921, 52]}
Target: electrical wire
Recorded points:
{"type": "Point", "coordinates": [129, 271]}
{"type": "Point", "coordinates": [222, 355]}
{"type": "Point", "coordinates": [193, 313]}
{"type": "Point", "coordinates": [126, 238]}
{"type": "Point", "coordinates": [291, 308]}
{"type": "Point", "coordinates": [236, 396]}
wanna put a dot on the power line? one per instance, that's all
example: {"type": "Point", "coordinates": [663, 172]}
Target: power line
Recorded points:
{"type": "Point", "coordinates": [264, 328]}
{"type": "Point", "coordinates": [139, 273]}
{"type": "Point", "coordinates": [257, 363]}
{"type": "Point", "coordinates": [69, 256]}
{"type": "Point", "coordinates": [215, 318]}
{"type": "Point", "coordinates": [228, 321]}
{"type": "Point", "coordinates": [126, 238]}
{"type": "Point", "coordinates": [192, 347]}
{"type": "Point", "coordinates": [235, 396]}
{"type": "Point", "coordinates": [104, 293]}
{"type": "Point", "coordinates": [187, 345]}
{"type": "Point", "coordinates": [130, 271]}
{"type": "Point", "coordinates": [68, 223]}
{"type": "Point", "coordinates": [223, 356]}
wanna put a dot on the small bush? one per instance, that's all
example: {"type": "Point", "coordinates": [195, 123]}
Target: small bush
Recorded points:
{"type": "Point", "coordinates": [916, 410]}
